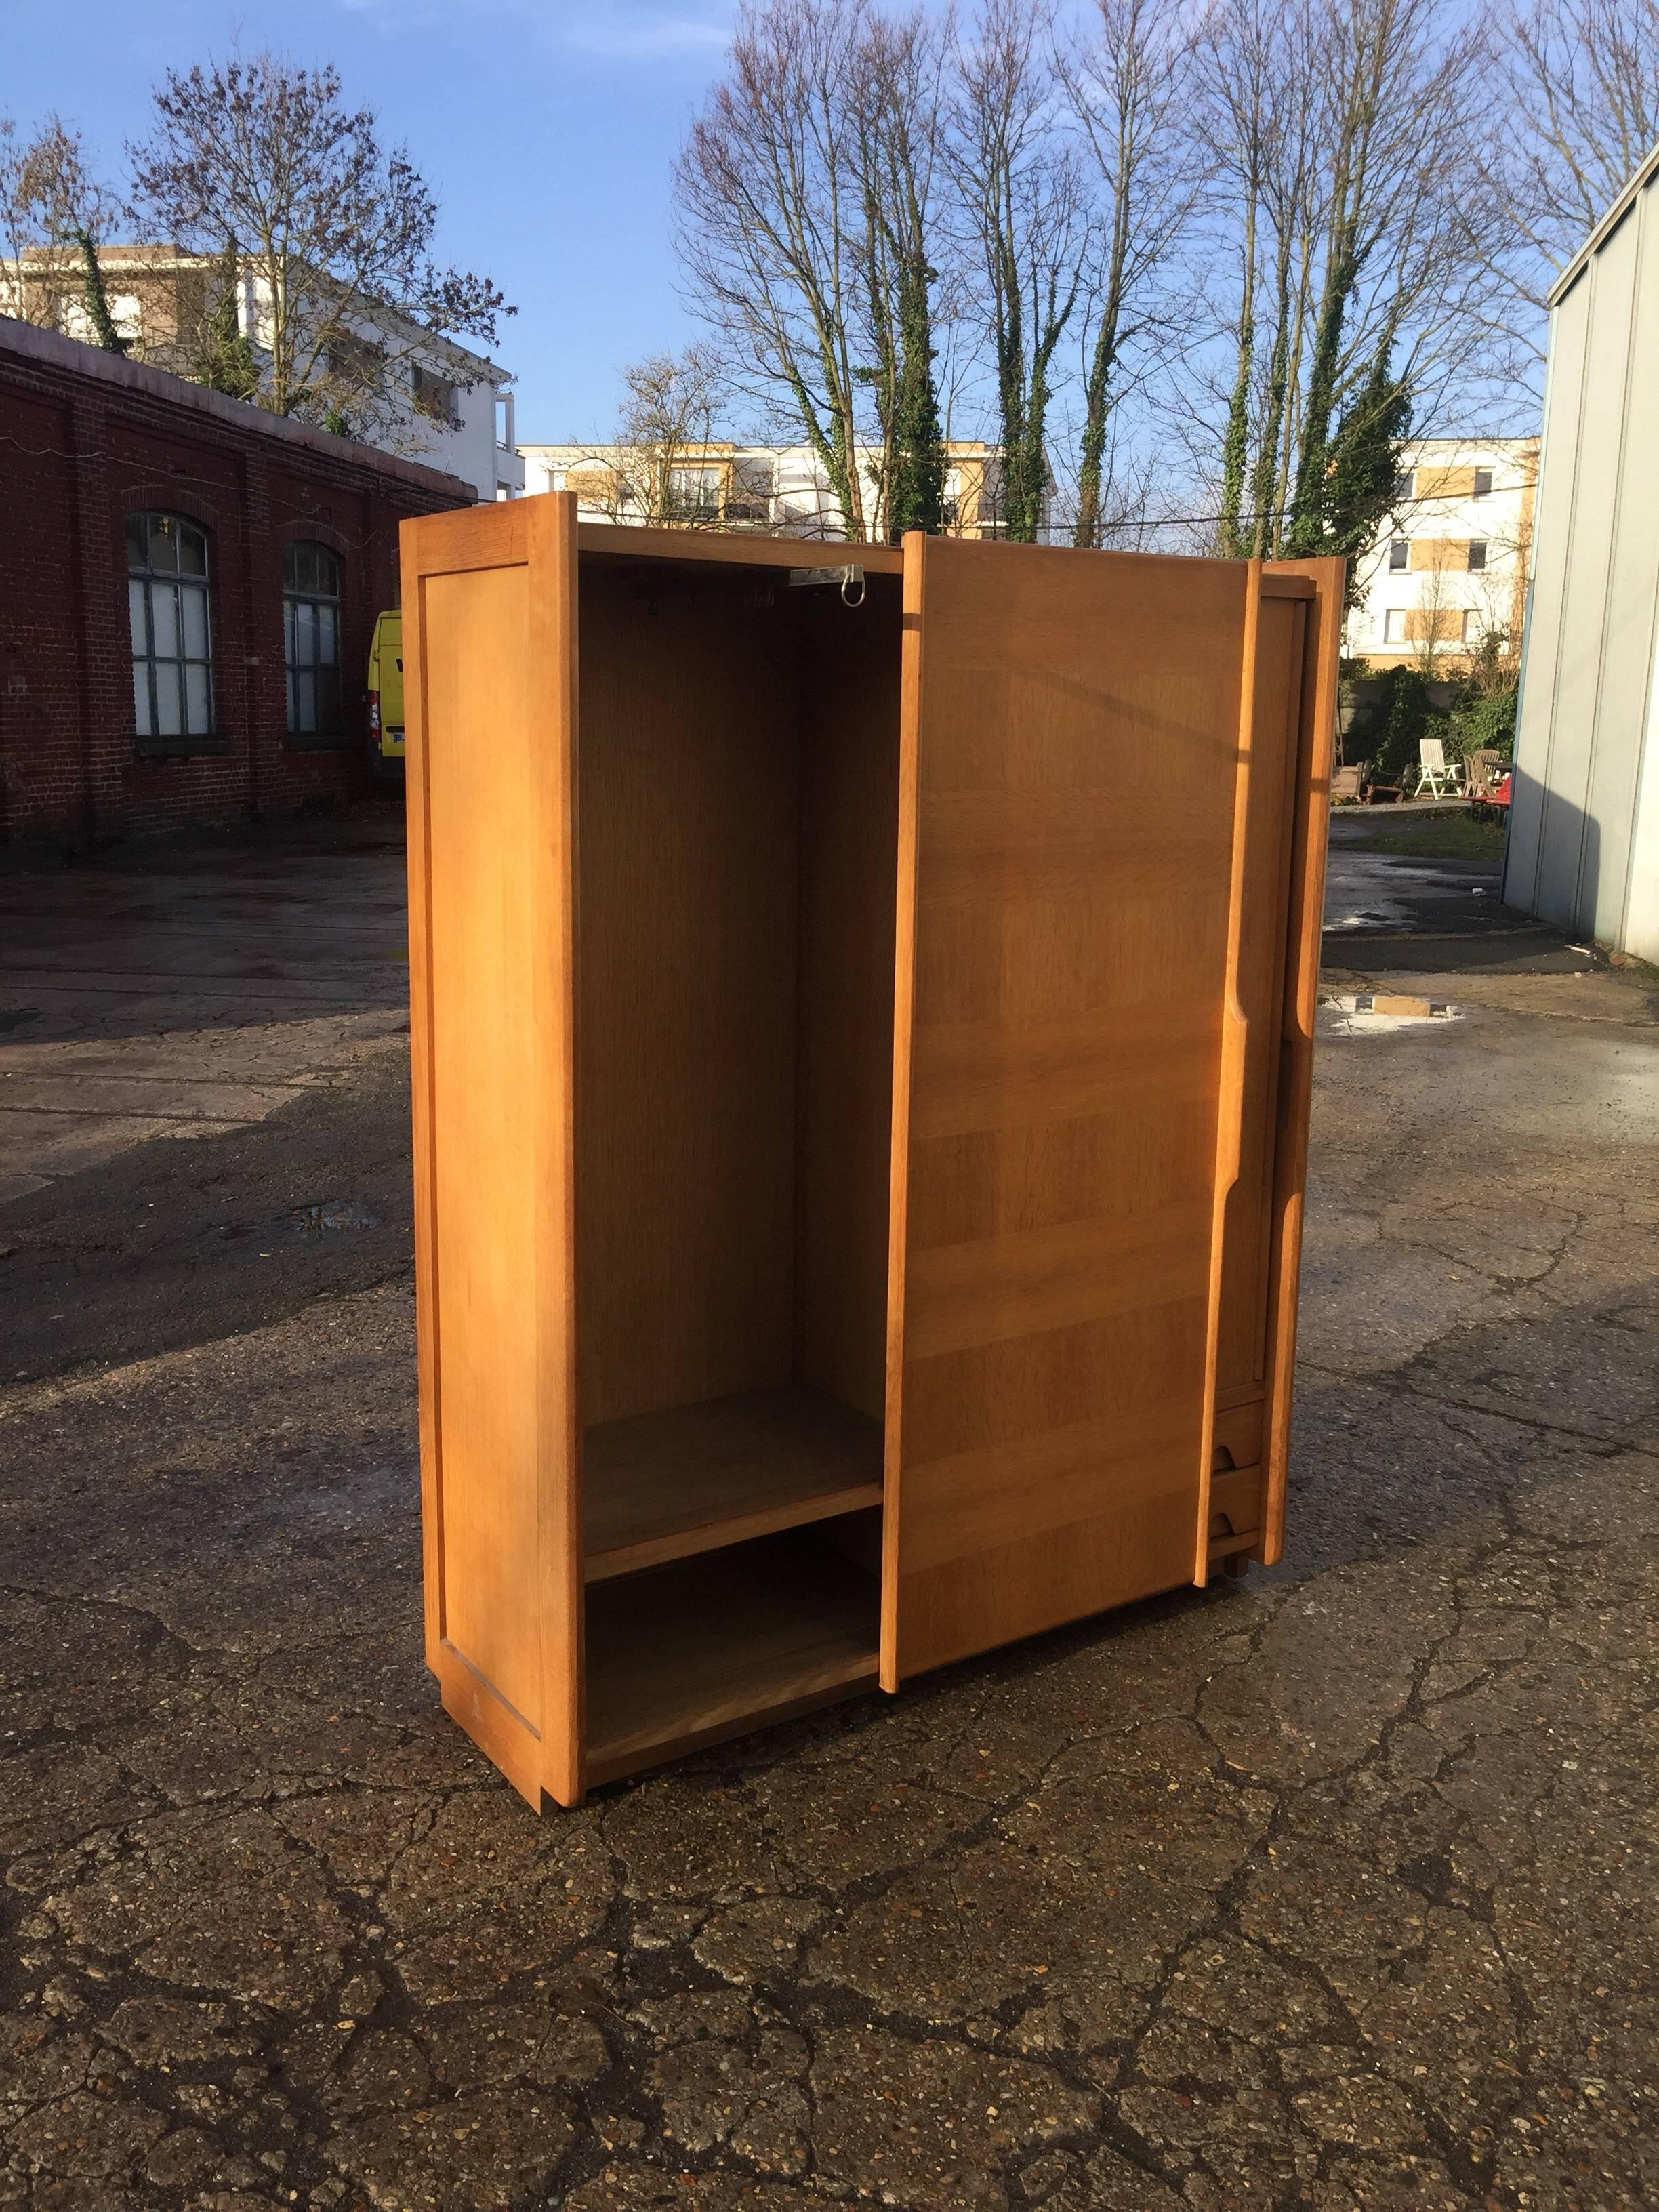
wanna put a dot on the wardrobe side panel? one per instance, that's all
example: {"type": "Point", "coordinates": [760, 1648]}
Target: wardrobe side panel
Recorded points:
{"type": "Point", "coordinates": [1293, 1092]}
{"type": "Point", "coordinates": [1259, 983]}
{"type": "Point", "coordinates": [1073, 736]}
{"type": "Point", "coordinates": [490, 769]}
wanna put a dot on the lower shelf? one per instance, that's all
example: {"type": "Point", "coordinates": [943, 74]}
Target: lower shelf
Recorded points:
{"type": "Point", "coordinates": [663, 1485]}
{"type": "Point", "coordinates": [685, 1654]}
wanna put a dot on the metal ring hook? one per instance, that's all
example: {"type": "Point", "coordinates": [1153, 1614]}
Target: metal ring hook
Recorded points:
{"type": "Point", "coordinates": [848, 576]}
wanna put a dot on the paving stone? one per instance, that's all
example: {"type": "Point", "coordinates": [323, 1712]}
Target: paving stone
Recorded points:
{"type": "Point", "coordinates": [488, 2148]}
{"type": "Point", "coordinates": [758, 1942]}
{"type": "Point", "coordinates": [933, 2126]}
{"type": "Point", "coordinates": [218, 1899]}
{"type": "Point", "coordinates": [651, 2189]}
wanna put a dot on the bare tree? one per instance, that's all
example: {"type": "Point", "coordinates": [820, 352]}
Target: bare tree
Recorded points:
{"type": "Point", "coordinates": [261, 161]}
{"type": "Point", "coordinates": [1574, 112]}
{"type": "Point", "coordinates": [1244, 94]}
{"type": "Point", "coordinates": [1128, 82]}
{"type": "Point", "coordinates": [664, 471]}
{"type": "Point", "coordinates": [1023, 204]}
{"type": "Point", "coordinates": [55, 213]}
{"type": "Point", "coordinates": [771, 225]}
{"type": "Point", "coordinates": [1342, 147]}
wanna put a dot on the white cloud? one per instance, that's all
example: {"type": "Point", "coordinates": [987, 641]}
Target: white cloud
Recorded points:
{"type": "Point", "coordinates": [620, 31]}
{"type": "Point", "coordinates": [608, 30]}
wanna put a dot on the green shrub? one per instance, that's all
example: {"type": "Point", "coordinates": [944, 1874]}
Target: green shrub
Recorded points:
{"type": "Point", "coordinates": [1403, 718]}
{"type": "Point", "coordinates": [1404, 723]}
{"type": "Point", "coordinates": [1478, 720]}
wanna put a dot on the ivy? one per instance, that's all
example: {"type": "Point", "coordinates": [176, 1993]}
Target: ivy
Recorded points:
{"type": "Point", "coordinates": [224, 359]}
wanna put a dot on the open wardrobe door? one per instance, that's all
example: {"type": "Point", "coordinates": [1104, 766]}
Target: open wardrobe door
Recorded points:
{"type": "Point", "coordinates": [1097, 801]}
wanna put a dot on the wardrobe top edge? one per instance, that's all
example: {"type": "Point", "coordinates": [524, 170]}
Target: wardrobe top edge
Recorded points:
{"type": "Point", "coordinates": [735, 549]}
{"type": "Point", "coordinates": [501, 535]}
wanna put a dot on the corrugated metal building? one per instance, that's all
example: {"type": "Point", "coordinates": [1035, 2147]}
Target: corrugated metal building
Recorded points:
{"type": "Point", "coordinates": [1583, 842]}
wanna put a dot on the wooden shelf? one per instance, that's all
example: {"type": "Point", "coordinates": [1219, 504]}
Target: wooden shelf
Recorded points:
{"type": "Point", "coordinates": [665, 1485]}
{"type": "Point", "coordinates": [687, 1654]}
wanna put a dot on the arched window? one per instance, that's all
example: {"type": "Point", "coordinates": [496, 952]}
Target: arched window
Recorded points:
{"type": "Point", "coordinates": [167, 609]}
{"type": "Point", "coordinates": [311, 639]}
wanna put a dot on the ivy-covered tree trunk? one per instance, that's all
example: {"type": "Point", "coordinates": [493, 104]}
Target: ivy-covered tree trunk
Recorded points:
{"type": "Point", "coordinates": [898, 279]}
{"type": "Point", "coordinates": [916, 489]}
{"type": "Point", "coordinates": [1364, 458]}
{"type": "Point", "coordinates": [1236, 441]}
{"type": "Point", "coordinates": [1261, 539]}
{"type": "Point", "coordinates": [1024, 464]}
{"type": "Point", "coordinates": [97, 300]}
{"type": "Point", "coordinates": [1096, 411]}
{"type": "Point", "coordinates": [1023, 192]}
{"type": "Point", "coordinates": [1023, 396]}
{"type": "Point", "coordinates": [1305, 526]}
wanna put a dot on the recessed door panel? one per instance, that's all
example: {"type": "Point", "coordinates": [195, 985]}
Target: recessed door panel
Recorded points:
{"type": "Point", "coordinates": [1075, 809]}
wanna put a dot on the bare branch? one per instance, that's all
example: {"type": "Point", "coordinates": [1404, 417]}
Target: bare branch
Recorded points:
{"type": "Point", "coordinates": [260, 160]}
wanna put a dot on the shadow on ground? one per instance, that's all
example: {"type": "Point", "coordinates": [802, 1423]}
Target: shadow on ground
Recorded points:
{"type": "Point", "coordinates": [183, 1238]}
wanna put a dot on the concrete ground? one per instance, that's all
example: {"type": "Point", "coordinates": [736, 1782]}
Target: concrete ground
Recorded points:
{"type": "Point", "coordinates": [1331, 1888]}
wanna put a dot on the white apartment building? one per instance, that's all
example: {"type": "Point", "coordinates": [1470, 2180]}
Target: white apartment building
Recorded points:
{"type": "Point", "coordinates": [445, 405]}
{"type": "Point", "coordinates": [1450, 568]}
{"type": "Point", "coordinates": [780, 490]}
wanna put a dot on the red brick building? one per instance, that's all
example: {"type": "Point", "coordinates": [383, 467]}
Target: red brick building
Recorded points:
{"type": "Point", "coordinates": [187, 588]}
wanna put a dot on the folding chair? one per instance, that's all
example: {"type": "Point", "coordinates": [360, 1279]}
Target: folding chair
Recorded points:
{"type": "Point", "coordinates": [1434, 771]}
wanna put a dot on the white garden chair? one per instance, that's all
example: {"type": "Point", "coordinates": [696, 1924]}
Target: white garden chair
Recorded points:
{"type": "Point", "coordinates": [1434, 770]}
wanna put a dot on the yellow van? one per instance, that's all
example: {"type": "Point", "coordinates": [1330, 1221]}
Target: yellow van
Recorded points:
{"type": "Point", "coordinates": [385, 696]}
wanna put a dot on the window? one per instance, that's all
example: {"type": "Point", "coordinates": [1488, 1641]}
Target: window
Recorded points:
{"type": "Point", "coordinates": [1399, 554]}
{"type": "Point", "coordinates": [434, 396]}
{"type": "Point", "coordinates": [1402, 484]}
{"type": "Point", "coordinates": [126, 312]}
{"type": "Point", "coordinates": [694, 494]}
{"type": "Point", "coordinates": [311, 639]}
{"type": "Point", "coordinates": [751, 490]}
{"type": "Point", "coordinates": [172, 635]}
{"type": "Point", "coordinates": [1482, 487]}
{"type": "Point", "coordinates": [354, 362]}
{"type": "Point", "coordinates": [1477, 552]}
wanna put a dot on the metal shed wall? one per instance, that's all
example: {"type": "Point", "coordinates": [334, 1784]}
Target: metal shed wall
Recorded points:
{"type": "Point", "coordinates": [1583, 845]}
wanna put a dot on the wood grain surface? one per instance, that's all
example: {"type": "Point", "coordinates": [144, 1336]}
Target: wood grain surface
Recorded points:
{"type": "Point", "coordinates": [493, 652]}
{"type": "Point", "coordinates": [690, 1652]}
{"type": "Point", "coordinates": [1072, 734]}
{"type": "Point", "coordinates": [664, 1486]}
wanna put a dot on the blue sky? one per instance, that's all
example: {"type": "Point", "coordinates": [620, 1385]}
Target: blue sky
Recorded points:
{"type": "Point", "coordinates": [547, 131]}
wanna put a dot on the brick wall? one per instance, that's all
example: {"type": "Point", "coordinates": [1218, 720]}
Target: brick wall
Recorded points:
{"type": "Point", "coordinates": [87, 437]}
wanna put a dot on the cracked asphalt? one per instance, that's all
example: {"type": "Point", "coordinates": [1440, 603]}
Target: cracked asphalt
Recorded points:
{"type": "Point", "coordinates": [1334, 1886]}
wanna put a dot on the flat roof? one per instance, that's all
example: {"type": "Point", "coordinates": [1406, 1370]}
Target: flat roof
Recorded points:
{"type": "Point", "coordinates": [54, 348]}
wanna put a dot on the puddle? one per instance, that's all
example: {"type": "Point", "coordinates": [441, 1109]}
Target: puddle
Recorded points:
{"type": "Point", "coordinates": [1379, 890]}
{"type": "Point", "coordinates": [338, 1213]}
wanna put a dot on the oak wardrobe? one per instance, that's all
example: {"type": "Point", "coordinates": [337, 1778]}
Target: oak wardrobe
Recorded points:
{"type": "Point", "coordinates": [862, 1036]}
